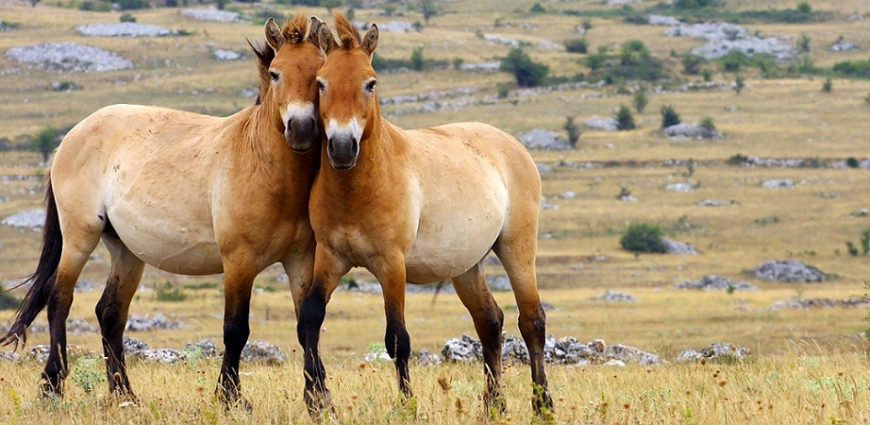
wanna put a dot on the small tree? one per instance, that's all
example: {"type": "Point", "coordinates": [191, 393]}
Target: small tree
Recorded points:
{"type": "Point", "coordinates": [595, 60]}
{"type": "Point", "coordinates": [804, 42]}
{"type": "Point", "coordinates": [707, 75]}
{"type": "Point", "coordinates": [624, 119]}
{"type": "Point", "coordinates": [457, 62]}
{"type": "Point", "coordinates": [537, 8]}
{"type": "Point", "coordinates": [640, 101]}
{"type": "Point", "coordinates": [828, 85]}
{"type": "Point", "coordinates": [669, 116]}
{"type": "Point", "coordinates": [738, 84]}
{"type": "Point", "coordinates": [527, 72]}
{"type": "Point", "coordinates": [573, 131]}
{"type": "Point", "coordinates": [708, 124]}
{"type": "Point", "coordinates": [429, 9]}
{"type": "Point", "coordinates": [44, 142]}
{"type": "Point", "coordinates": [417, 59]}
{"type": "Point", "coordinates": [805, 8]}
{"type": "Point", "coordinates": [643, 238]}
{"type": "Point", "coordinates": [586, 25]}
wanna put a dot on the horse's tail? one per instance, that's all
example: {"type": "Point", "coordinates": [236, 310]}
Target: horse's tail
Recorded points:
{"type": "Point", "coordinates": [43, 280]}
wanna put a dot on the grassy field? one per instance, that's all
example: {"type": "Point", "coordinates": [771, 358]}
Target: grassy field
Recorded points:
{"type": "Point", "coordinates": [807, 365]}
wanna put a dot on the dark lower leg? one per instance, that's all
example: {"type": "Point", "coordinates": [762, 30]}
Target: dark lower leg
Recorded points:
{"type": "Point", "coordinates": [236, 332]}
{"type": "Point", "coordinates": [312, 314]}
{"type": "Point", "coordinates": [533, 327]}
{"type": "Point", "coordinates": [56, 367]}
{"type": "Point", "coordinates": [398, 344]}
{"type": "Point", "coordinates": [112, 316]}
{"type": "Point", "coordinates": [490, 332]}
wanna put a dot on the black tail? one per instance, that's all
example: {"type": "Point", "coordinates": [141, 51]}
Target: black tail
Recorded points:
{"type": "Point", "coordinates": [43, 279]}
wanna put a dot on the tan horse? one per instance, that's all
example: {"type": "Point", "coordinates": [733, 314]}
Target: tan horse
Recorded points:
{"type": "Point", "coordinates": [417, 206]}
{"type": "Point", "coordinates": [186, 193]}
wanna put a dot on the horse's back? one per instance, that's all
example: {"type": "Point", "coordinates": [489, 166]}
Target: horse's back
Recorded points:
{"type": "Point", "coordinates": [142, 169]}
{"type": "Point", "coordinates": [474, 180]}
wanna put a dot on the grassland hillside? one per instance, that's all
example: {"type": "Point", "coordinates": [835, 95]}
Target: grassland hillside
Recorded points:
{"type": "Point", "coordinates": [787, 178]}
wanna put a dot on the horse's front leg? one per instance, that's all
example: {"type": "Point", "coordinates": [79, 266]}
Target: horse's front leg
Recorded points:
{"type": "Point", "coordinates": [392, 275]}
{"type": "Point", "coordinates": [238, 281]}
{"type": "Point", "coordinates": [328, 269]}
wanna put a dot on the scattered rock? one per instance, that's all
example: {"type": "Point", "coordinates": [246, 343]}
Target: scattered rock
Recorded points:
{"type": "Point", "coordinates": [207, 347]}
{"type": "Point", "coordinates": [73, 326]}
{"type": "Point", "coordinates": [63, 86]}
{"type": "Point", "coordinates": [33, 219]}
{"type": "Point", "coordinates": [715, 283]}
{"type": "Point", "coordinates": [397, 27]}
{"type": "Point", "coordinates": [213, 15]}
{"type": "Point", "coordinates": [568, 194]}
{"type": "Point", "coordinates": [425, 358]}
{"type": "Point", "coordinates": [800, 303]}
{"type": "Point", "coordinates": [10, 356]}
{"type": "Point", "coordinates": [679, 248]}
{"type": "Point", "coordinates": [544, 140]}
{"type": "Point", "coordinates": [615, 363]}
{"type": "Point", "coordinates": [844, 46]}
{"type": "Point", "coordinates": [777, 183]}
{"type": "Point", "coordinates": [544, 168]}
{"type": "Point", "coordinates": [262, 351]}
{"type": "Point", "coordinates": [68, 57]}
{"type": "Point", "coordinates": [860, 213]}
{"type": "Point", "coordinates": [501, 40]}
{"type": "Point", "coordinates": [715, 203]}
{"type": "Point", "coordinates": [716, 350]}
{"type": "Point", "coordinates": [562, 351]}
{"type": "Point", "coordinates": [611, 295]}
{"type": "Point", "coordinates": [691, 131]}
{"type": "Point", "coordinates": [123, 29]}
{"type": "Point", "coordinates": [463, 349]}
{"type": "Point", "coordinates": [715, 31]}
{"type": "Point", "coordinates": [226, 55]}
{"type": "Point", "coordinates": [546, 205]}
{"type": "Point", "coordinates": [621, 2]}
{"type": "Point", "coordinates": [380, 354]}
{"type": "Point", "coordinates": [683, 187]}
{"type": "Point", "coordinates": [138, 323]}
{"type": "Point", "coordinates": [600, 123]}
{"type": "Point", "coordinates": [724, 38]}
{"type": "Point", "coordinates": [161, 355]}
{"type": "Point", "coordinates": [481, 66]}
{"type": "Point", "coordinates": [789, 271]}
{"type": "Point", "coordinates": [661, 20]}
{"type": "Point", "coordinates": [87, 286]}
{"type": "Point", "coordinates": [499, 283]}
{"type": "Point", "coordinates": [133, 346]}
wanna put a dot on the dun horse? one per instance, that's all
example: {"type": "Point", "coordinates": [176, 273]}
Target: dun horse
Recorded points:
{"type": "Point", "coordinates": [417, 206]}
{"type": "Point", "coordinates": [186, 193]}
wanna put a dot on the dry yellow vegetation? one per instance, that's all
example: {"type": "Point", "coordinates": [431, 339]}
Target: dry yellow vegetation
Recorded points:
{"type": "Point", "coordinates": [807, 366]}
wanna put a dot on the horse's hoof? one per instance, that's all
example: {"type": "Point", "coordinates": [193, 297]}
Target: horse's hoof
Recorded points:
{"type": "Point", "coordinates": [496, 406]}
{"type": "Point", "coordinates": [233, 399]}
{"type": "Point", "coordinates": [318, 404]}
{"type": "Point", "coordinates": [49, 392]}
{"type": "Point", "coordinates": [543, 404]}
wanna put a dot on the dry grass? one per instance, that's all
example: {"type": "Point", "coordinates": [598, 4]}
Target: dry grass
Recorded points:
{"type": "Point", "coordinates": [808, 366]}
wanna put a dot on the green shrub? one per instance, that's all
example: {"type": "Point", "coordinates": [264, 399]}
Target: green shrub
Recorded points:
{"type": "Point", "coordinates": [736, 159]}
{"type": "Point", "coordinates": [804, 7]}
{"type": "Point", "coordinates": [692, 64]}
{"type": "Point", "coordinates": [457, 63]}
{"type": "Point", "coordinates": [537, 8]}
{"type": "Point", "coordinates": [692, 4]}
{"type": "Point", "coordinates": [169, 293]}
{"type": "Point", "coordinates": [577, 45]}
{"type": "Point", "coordinates": [595, 61]}
{"type": "Point", "coordinates": [127, 17]}
{"type": "Point", "coordinates": [640, 101]}
{"type": "Point", "coordinates": [417, 59]}
{"type": "Point", "coordinates": [643, 238]}
{"type": "Point", "coordinates": [527, 72]}
{"type": "Point", "coordinates": [572, 130]}
{"type": "Point", "coordinates": [707, 123]}
{"type": "Point", "coordinates": [7, 301]}
{"type": "Point", "coordinates": [852, 162]}
{"type": "Point", "coordinates": [738, 84]}
{"type": "Point", "coordinates": [669, 116]}
{"type": "Point", "coordinates": [858, 68]}
{"type": "Point", "coordinates": [624, 119]}
{"type": "Point", "coordinates": [45, 142]}
{"type": "Point", "coordinates": [707, 75]}
{"type": "Point", "coordinates": [804, 42]}
{"type": "Point", "coordinates": [827, 86]}
{"type": "Point", "coordinates": [88, 374]}
{"type": "Point", "coordinates": [132, 4]}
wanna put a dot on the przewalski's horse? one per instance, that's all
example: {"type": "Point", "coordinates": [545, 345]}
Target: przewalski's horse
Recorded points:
{"type": "Point", "coordinates": [186, 193]}
{"type": "Point", "coordinates": [417, 206]}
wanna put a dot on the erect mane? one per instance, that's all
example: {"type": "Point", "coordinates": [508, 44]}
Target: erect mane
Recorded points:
{"type": "Point", "coordinates": [294, 31]}
{"type": "Point", "coordinates": [348, 36]}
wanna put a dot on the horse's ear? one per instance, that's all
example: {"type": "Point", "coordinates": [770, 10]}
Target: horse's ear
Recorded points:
{"type": "Point", "coordinates": [314, 30]}
{"type": "Point", "coordinates": [325, 39]}
{"type": "Point", "coordinates": [370, 41]}
{"type": "Point", "coordinates": [273, 35]}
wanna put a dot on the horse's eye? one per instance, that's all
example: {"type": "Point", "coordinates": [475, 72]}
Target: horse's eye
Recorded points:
{"type": "Point", "coordinates": [370, 86]}
{"type": "Point", "coordinates": [320, 86]}
{"type": "Point", "coordinates": [274, 75]}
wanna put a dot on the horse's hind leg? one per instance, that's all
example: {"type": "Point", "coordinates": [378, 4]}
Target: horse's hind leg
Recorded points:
{"type": "Point", "coordinates": [79, 241]}
{"type": "Point", "coordinates": [516, 250]}
{"type": "Point", "coordinates": [488, 321]}
{"type": "Point", "coordinates": [112, 310]}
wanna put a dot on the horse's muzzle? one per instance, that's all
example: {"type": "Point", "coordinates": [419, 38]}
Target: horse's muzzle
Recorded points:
{"type": "Point", "coordinates": [343, 151]}
{"type": "Point", "coordinates": [302, 134]}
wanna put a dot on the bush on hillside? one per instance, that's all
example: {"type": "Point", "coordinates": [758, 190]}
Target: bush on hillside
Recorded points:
{"type": "Point", "coordinates": [527, 72]}
{"type": "Point", "coordinates": [643, 238]}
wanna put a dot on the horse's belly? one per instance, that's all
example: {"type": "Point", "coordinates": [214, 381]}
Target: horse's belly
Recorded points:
{"type": "Point", "coordinates": [167, 242]}
{"type": "Point", "coordinates": [449, 253]}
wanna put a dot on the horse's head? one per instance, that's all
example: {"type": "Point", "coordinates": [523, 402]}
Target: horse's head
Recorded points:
{"type": "Point", "coordinates": [346, 82]}
{"type": "Point", "coordinates": [288, 65]}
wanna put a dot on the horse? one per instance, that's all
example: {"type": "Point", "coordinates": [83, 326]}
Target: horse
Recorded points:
{"type": "Point", "coordinates": [417, 206]}
{"type": "Point", "coordinates": [186, 193]}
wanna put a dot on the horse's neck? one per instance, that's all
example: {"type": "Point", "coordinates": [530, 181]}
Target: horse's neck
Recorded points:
{"type": "Point", "coordinates": [260, 148]}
